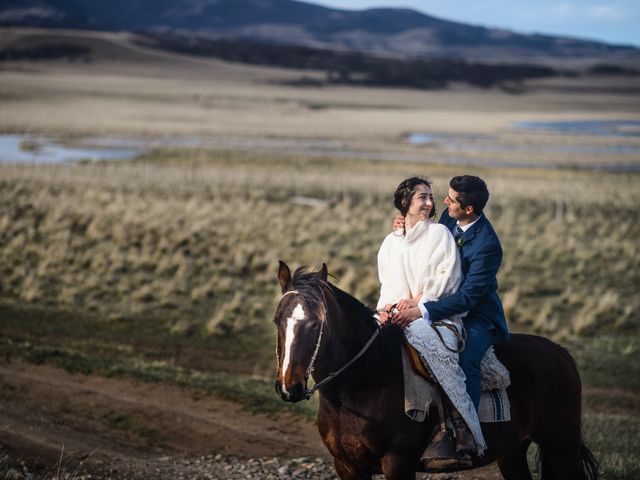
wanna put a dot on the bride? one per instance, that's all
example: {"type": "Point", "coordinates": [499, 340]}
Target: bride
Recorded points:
{"type": "Point", "coordinates": [422, 263]}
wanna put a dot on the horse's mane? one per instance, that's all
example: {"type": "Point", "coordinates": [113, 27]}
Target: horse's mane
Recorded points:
{"type": "Point", "coordinates": [311, 287]}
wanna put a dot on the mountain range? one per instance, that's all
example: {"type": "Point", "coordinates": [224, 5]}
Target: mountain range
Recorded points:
{"type": "Point", "coordinates": [382, 31]}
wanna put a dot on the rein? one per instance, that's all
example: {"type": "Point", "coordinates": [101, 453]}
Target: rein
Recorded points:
{"type": "Point", "coordinates": [462, 337]}
{"type": "Point", "coordinates": [309, 392]}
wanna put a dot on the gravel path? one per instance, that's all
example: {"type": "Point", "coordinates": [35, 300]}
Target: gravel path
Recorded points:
{"type": "Point", "coordinates": [209, 467]}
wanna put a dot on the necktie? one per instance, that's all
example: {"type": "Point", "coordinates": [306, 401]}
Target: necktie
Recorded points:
{"type": "Point", "coordinates": [457, 232]}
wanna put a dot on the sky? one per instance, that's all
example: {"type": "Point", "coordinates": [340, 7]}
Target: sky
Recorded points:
{"type": "Point", "coordinates": [610, 21]}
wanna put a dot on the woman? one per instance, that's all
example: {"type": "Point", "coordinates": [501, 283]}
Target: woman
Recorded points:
{"type": "Point", "coordinates": [423, 263]}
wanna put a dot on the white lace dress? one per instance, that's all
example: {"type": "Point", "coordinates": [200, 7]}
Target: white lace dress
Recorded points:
{"type": "Point", "coordinates": [426, 260]}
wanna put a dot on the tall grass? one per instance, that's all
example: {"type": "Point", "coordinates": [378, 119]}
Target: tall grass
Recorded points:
{"type": "Point", "coordinates": [195, 237]}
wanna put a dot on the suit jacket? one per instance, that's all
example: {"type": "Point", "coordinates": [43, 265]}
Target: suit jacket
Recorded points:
{"type": "Point", "coordinates": [481, 256]}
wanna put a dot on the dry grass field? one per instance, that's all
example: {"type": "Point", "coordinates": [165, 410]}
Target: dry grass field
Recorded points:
{"type": "Point", "coordinates": [168, 261]}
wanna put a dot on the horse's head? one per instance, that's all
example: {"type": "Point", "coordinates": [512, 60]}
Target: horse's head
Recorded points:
{"type": "Point", "coordinates": [299, 318]}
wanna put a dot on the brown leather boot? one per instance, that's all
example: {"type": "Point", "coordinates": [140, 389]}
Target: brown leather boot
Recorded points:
{"type": "Point", "coordinates": [441, 454]}
{"type": "Point", "coordinates": [441, 451]}
{"type": "Point", "coordinates": [464, 438]}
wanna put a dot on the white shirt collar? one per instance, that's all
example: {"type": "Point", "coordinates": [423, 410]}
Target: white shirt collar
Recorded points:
{"type": "Point", "coordinates": [464, 228]}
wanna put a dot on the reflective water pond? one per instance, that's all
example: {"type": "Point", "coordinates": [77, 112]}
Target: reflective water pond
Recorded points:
{"type": "Point", "coordinates": [465, 143]}
{"type": "Point", "coordinates": [615, 128]}
{"type": "Point", "coordinates": [453, 149]}
{"type": "Point", "coordinates": [39, 149]}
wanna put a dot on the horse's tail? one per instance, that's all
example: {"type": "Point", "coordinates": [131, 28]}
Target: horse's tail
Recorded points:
{"type": "Point", "coordinates": [584, 465]}
{"type": "Point", "coordinates": [588, 463]}
{"type": "Point", "coordinates": [585, 469]}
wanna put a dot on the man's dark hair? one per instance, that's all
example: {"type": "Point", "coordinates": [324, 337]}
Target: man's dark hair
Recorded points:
{"type": "Point", "coordinates": [471, 191]}
{"type": "Point", "coordinates": [405, 192]}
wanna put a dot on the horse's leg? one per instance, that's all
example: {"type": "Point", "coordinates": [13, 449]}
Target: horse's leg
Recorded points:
{"type": "Point", "coordinates": [348, 472]}
{"type": "Point", "coordinates": [397, 468]}
{"type": "Point", "coordinates": [513, 465]}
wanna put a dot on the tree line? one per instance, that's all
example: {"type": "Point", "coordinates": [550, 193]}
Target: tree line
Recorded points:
{"type": "Point", "coordinates": [353, 67]}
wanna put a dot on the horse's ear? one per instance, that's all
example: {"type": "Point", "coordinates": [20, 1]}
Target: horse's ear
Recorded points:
{"type": "Point", "coordinates": [322, 274]}
{"type": "Point", "coordinates": [284, 276]}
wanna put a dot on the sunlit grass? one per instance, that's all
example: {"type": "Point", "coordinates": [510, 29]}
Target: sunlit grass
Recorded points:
{"type": "Point", "coordinates": [191, 240]}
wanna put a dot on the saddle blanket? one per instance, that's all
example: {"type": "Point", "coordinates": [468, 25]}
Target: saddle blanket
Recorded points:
{"type": "Point", "coordinates": [419, 393]}
{"type": "Point", "coordinates": [494, 406]}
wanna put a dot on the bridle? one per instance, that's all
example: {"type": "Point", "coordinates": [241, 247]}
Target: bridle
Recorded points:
{"type": "Point", "coordinates": [310, 391]}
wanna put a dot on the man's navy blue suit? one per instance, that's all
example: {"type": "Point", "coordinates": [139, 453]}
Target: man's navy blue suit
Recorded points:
{"type": "Point", "coordinates": [481, 255]}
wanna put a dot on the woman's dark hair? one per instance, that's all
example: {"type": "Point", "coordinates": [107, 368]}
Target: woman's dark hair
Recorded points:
{"type": "Point", "coordinates": [405, 192]}
{"type": "Point", "coordinates": [471, 191]}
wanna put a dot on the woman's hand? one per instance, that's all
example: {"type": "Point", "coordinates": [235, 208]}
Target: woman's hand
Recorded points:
{"type": "Point", "coordinates": [409, 303]}
{"type": "Point", "coordinates": [406, 303]}
{"type": "Point", "coordinates": [398, 223]}
{"type": "Point", "coordinates": [385, 314]}
{"type": "Point", "coordinates": [405, 317]}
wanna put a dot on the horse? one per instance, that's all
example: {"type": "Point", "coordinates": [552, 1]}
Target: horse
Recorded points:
{"type": "Point", "coordinates": [356, 365]}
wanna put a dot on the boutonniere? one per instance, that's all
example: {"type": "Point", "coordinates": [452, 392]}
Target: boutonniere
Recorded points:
{"type": "Point", "coordinates": [460, 242]}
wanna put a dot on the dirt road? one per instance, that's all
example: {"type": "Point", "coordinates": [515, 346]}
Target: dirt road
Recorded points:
{"type": "Point", "coordinates": [53, 423]}
{"type": "Point", "coordinates": [47, 413]}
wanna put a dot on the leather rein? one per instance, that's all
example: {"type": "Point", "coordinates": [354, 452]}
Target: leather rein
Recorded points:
{"type": "Point", "coordinates": [309, 392]}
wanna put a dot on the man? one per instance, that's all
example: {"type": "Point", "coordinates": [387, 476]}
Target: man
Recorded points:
{"type": "Point", "coordinates": [481, 255]}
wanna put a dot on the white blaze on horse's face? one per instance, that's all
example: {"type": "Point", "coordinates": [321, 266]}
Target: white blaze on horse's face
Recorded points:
{"type": "Point", "coordinates": [290, 332]}
{"type": "Point", "coordinates": [298, 343]}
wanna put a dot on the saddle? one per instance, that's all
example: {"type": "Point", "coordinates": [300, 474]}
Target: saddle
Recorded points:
{"type": "Point", "coordinates": [494, 374]}
{"type": "Point", "coordinates": [494, 403]}
{"type": "Point", "coordinates": [417, 365]}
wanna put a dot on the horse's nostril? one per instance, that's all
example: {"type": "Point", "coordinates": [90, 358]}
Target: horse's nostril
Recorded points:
{"type": "Point", "coordinates": [297, 391]}
{"type": "Point", "coordinates": [283, 394]}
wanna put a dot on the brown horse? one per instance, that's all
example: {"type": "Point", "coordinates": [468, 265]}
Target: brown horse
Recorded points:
{"type": "Point", "coordinates": [361, 418]}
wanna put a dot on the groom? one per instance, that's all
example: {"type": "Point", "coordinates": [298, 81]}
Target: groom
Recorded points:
{"type": "Point", "coordinates": [481, 255]}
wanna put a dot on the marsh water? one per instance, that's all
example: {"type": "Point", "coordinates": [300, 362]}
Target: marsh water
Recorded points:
{"type": "Point", "coordinates": [609, 128]}
{"type": "Point", "coordinates": [43, 149]}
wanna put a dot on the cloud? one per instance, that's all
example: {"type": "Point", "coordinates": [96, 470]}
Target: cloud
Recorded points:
{"type": "Point", "coordinates": [561, 10]}
{"type": "Point", "coordinates": [604, 12]}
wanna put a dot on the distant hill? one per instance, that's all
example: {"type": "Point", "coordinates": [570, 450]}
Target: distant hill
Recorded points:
{"type": "Point", "coordinates": [383, 31]}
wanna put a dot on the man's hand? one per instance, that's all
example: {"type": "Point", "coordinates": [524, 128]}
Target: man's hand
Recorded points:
{"type": "Point", "coordinates": [404, 317]}
{"type": "Point", "coordinates": [398, 223]}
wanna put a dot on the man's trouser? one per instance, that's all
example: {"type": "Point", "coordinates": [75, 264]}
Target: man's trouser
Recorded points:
{"type": "Point", "coordinates": [479, 339]}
